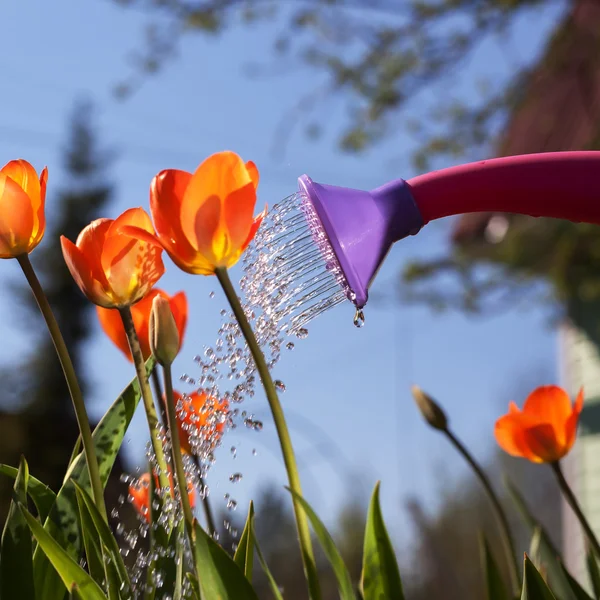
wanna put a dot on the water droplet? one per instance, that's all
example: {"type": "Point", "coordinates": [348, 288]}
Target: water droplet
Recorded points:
{"type": "Point", "coordinates": [211, 295]}
{"type": "Point", "coordinates": [235, 477]}
{"type": "Point", "coordinates": [254, 452]}
{"type": "Point", "coordinates": [231, 504]}
{"type": "Point", "coordinates": [233, 451]}
{"type": "Point", "coordinates": [279, 385]}
{"type": "Point", "coordinates": [359, 318]}
{"type": "Point", "coordinates": [302, 333]}
{"type": "Point", "coordinates": [290, 345]}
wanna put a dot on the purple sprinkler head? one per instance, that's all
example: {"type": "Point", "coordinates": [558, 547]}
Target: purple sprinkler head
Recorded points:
{"type": "Point", "coordinates": [360, 227]}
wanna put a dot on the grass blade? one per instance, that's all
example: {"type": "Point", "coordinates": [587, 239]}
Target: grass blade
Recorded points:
{"type": "Point", "coordinates": [344, 581]}
{"type": "Point", "coordinates": [71, 574]}
{"type": "Point", "coordinates": [43, 497]}
{"type": "Point", "coordinates": [244, 554]}
{"type": "Point", "coordinates": [380, 575]}
{"type": "Point", "coordinates": [16, 565]}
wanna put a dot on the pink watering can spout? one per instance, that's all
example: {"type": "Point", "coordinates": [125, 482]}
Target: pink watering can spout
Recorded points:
{"type": "Point", "coordinates": [361, 227]}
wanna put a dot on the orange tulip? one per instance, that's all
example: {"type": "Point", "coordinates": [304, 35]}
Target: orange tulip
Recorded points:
{"type": "Point", "coordinates": [22, 198]}
{"type": "Point", "coordinates": [113, 268]}
{"type": "Point", "coordinates": [544, 431]}
{"type": "Point", "coordinates": [112, 324]}
{"type": "Point", "coordinates": [140, 494]}
{"type": "Point", "coordinates": [199, 420]}
{"type": "Point", "coordinates": [205, 220]}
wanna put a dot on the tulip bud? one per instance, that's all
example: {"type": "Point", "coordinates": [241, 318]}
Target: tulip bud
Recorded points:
{"type": "Point", "coordinates": [430, 410]}
{"type": "Point", "coordinates": [162, 330]}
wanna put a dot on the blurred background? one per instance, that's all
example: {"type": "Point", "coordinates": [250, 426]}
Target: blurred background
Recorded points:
{"type": "Point", "coordinates": [476, 310]}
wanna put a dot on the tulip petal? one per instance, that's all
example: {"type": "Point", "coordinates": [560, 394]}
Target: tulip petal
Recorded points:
{"type": "Point", "coordinates": [216, 183]}
{"type": "Point", "coordinates": [140, 234]}
{"type": "Point", "coordinates": [166, 195]}
{"type": "Point", "coordinates": [26, 177]}
{"type": "Point", "coordinates": [112, 325]}
{"type": "Point", "coordinates": [132, 267]}
{"type": "Point", "coordinates": [237, 213]}
{"type": "Point", "coordinates": [133, 217]}
{"type": "Point", "coordinates": [82, 273]}
{"type": "Point", "coordinates": [91, 242]}
{"type": "Point", "coordinates": [201, 227]}
{"type": "Point", "coordinates": [16, 219]}
{"type": "Point", "coordinates": [253, 172]}
{"type": "Point", "coordinates": [255, 226]}
{"type": "Point", "coordinates": [219, 175]}
{"type": "Point", "coordinates": [542, 442]}
{"type": "Point", "coordinates": [549, 404]}
{"type": "Point", "coordinates": [41, 211]}
{"type": "Point", "coordinates": [509, 433]}
{"type": "Point", "coordinates": [573, 421]}
{"type": "Point", "coordinates": [140, 494]}
{"type": "Point", "coordinates": [179, 307]}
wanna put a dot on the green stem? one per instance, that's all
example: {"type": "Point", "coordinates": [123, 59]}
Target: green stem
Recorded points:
{"type": "Point", "coordinates": [572, 501]}
{"type": "Point", "coordinates": [181, 479]}
{"type": "Point", "coordinates": [140, 369]}
{"type": "Point", "coordinates": [159, 394]}
{"type": "Point", "coordinates": [285, 441]}
{"type": "Point", "coordinates": [210, 521]}
{"type": "Point", "coordinates": [509, 549]}
{"type": "Point", "coordinates": [72, 382]}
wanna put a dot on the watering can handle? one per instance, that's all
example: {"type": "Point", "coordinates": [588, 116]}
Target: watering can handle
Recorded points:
{"type": "Point", "coordinates": [562, 185]}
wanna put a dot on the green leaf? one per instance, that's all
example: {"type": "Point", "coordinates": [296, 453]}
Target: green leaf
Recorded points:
{"type": "Point", "coordinates": [263, 563]}
{"type": "Point", "coordinates": [579, 592]}
{"type": "Point", "coordinates": [344, 581]}
{"type": "Point", "coordinates": [71, 574]}
{"type": "Point", "coordinates": [74, 453]}
{"type": "Point", "coordinates": [193, 585]}
{"type": "Point", "coordinates": [220, 578]}
{"type": "Point", "coordinates": [62, 522]}
{"type": "Point", "coordinates": [244, 554]}
{"type": "Point", "coordinates": [160, 540]}
{"type": "Point", "coordinates": [534, 587]}
{"type": "Point", "coordinates": [43, 497]}
{"type": "Point", "coordinates": [180, 560]}
{"type": "Point", "coordinates": [105, 534]}
{"type": "Point", "coordinates": [380, 575]}
{"type": "Point", "coordinates": [16, 566]}
{"type": "Point", "coordinates": [593, 572]}
{"type": "Point", "coordinates": [74, 595]}
{"type": "Point", "coordinates": [113, 580]}
{"type": "Point", "coordinates": [494, 585]}
{"type": "Point", "coordinates": [91, 544]}
{"type": "Point", "coordinates": [544, 551]}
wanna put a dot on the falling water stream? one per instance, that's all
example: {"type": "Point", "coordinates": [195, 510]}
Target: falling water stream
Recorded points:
{"type": "Point", "coordinates": [290, 276]}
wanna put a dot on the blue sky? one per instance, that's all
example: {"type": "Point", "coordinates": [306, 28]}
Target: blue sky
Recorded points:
{"type": "Point", "coordinates": [353, 385]}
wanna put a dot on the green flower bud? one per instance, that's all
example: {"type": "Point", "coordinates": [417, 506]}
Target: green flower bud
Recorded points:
{"type": "Point", "coordinates": [430, 410]}
{"type": "Point", "coordinates": [162, 331]}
